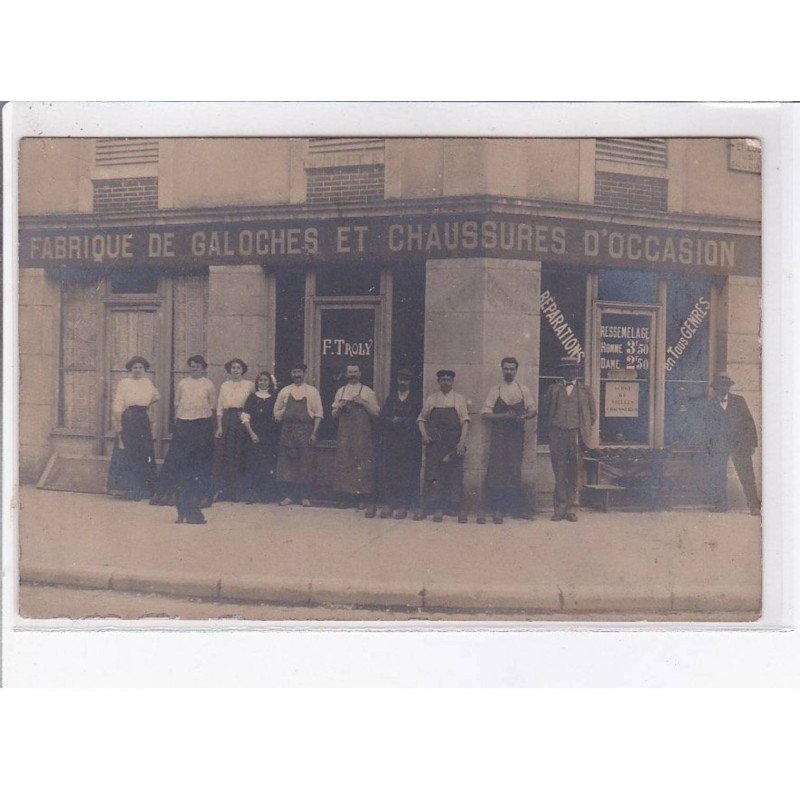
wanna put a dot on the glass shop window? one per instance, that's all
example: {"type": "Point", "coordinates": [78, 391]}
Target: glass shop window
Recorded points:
{"type": "Point", "coordinates": [686, 360]}
{"type": "Point", "coordinates": [627, 286]}
{"type": "Point", "coordinates": [562, 304]}
{"type": "Point", "coordinates": [79, 387]}
{"type": "Point", "coordinates": [357, 280]}
{"type": "Point", "coordinates": [134, 280]}
{"type": "Point", "coordinates": [290, 289]}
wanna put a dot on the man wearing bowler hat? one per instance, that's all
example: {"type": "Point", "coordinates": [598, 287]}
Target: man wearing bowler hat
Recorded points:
{"type": "Point", "coordinates": [730, 433]}
{"type": "Point", "coordinates": [570, 416]}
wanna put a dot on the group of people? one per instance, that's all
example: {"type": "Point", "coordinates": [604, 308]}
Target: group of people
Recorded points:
{"type": "Point", "coordinates": [251, 442]}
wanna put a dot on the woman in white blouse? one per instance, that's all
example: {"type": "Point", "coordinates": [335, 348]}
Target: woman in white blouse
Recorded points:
{"type": "Point", "coordinates": [188, 462]}
{"type": "Point", "coordinates": [133, 463]}
{"type": "Point", "coordinates": [231, 434]}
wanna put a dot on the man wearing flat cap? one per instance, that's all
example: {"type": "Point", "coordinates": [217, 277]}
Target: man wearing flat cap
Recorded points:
{"type": "Point", "coordinates": [570, 416]}
{"type": "Point", "coordinates": [400, 450]}
{"type": "Point", "coordinates": [443, 424]}
{"type": "Point", "coordinates": [730, 433]}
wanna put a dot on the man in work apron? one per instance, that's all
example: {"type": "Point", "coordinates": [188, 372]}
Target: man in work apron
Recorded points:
{"type": "Point", "coordinates": [507, 415]}
{"type": "Point", "coordinates": [504, 471]}
{"type": "Point", "coordinates": [354, 473]}
{"type": "Point", "coordinates": [295, 454]}
{"type": "Point", "coordinates": [444, 468]}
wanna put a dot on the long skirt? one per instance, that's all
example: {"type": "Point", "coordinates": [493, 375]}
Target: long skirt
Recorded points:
{"type": "Point", "coordinates": [229, 454]}
{"type": "Point", "coordinates": [259, 474]}
{"type": "Point", "coordinates": [133, 467]}
{"type": "Point", "coordinates": [189, 459]}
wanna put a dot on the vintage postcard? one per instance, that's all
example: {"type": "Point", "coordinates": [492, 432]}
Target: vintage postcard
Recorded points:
{"type": "Point", "coordinates": [388, 378]}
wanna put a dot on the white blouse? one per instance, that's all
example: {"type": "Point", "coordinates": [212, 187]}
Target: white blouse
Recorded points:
{"type": "Point", "coordinates": [233, 394]}
{"type": "Point", "coordinates": [195, 398]}
{"type": "Point", "coordinates": [134, 392]}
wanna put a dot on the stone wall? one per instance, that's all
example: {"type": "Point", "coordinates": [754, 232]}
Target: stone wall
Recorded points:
{"type": "Point", "coordinates": [740, 327]}
{"type": "Point", "coordinates": [38, 370]}
{"type": "Point", "coordinates": [477, 311]}
{"type": "Point", "coordinates": [240, 320]}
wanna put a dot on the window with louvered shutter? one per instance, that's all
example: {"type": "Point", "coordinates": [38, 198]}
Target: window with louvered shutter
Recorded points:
{"type": "Point", "coordinates": [125, 152]}
{"type": "Point", "coordinates": [345, 170]}
{"type": "Point", "coordinates": [649, 152]}
{"type": "Point", "coordinates": [340, 144]}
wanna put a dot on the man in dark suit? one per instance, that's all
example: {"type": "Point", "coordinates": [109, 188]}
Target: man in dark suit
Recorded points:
{"type": "Point", "coordinates": [730, 433]}
{"type": "Point", "coordinates": [570, 416]}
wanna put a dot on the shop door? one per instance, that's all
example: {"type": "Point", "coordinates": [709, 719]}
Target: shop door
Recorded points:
{"type": "Point", "coordinates": [132, 331]}
{"type": "Point", "coordinates": [624, 374]}
{"type": "Point", "coordinates": [346, 333]}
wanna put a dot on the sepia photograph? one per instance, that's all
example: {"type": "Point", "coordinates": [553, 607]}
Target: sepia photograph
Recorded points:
{"type": "Point", "coordinates": [390, 379]}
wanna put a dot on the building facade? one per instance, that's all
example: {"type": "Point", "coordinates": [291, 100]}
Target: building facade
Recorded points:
{"type": "Point", "coordinates": [640, 257]}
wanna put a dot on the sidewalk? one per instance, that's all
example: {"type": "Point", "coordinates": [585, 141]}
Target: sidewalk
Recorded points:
{"type": "Point", "coordinates": [679, 562]}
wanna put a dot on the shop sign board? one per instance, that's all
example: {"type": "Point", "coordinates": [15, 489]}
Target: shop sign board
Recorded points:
{"type": "Point", "coordinates": [303, 241]}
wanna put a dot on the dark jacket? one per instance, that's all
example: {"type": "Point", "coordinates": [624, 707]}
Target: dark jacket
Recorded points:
{"type": "Point", "coordinates": [586, 408]}
{"type": "Point", "coordinates": [730, 429]}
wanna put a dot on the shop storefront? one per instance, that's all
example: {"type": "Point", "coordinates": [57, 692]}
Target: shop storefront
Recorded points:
{"type": "Point", "coordinates": [640, 301]}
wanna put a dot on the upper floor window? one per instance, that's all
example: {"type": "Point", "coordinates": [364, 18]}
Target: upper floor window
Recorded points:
{"type": "Point", "coordinates": [631, 174]}
{"type": "Point", "coordinates": [345, 170]}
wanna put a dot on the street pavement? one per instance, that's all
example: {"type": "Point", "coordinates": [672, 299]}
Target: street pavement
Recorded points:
{"type": "Point", "coordinates": [622, 565]}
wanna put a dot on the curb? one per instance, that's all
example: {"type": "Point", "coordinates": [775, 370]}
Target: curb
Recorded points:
{"type": "Point", "coordinates": [453, 598]}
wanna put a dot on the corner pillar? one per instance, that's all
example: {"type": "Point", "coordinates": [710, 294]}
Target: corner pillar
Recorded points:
{"type": "Point", "coordinates": [477, 311]}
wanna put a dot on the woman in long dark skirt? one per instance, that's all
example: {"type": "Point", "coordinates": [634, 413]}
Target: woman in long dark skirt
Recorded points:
{"type": "Point", "coordinates": [133, 462]}
{"type": "Point", "coordinates": [261, 452]}
{"type": "Point", "coordinates": [189, 459]}
{"type": "Point", "coordinates": [231, 434]}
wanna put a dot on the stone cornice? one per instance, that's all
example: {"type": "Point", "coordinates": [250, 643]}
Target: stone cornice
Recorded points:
{"type": "Point", "coordinates": [485, 204]}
